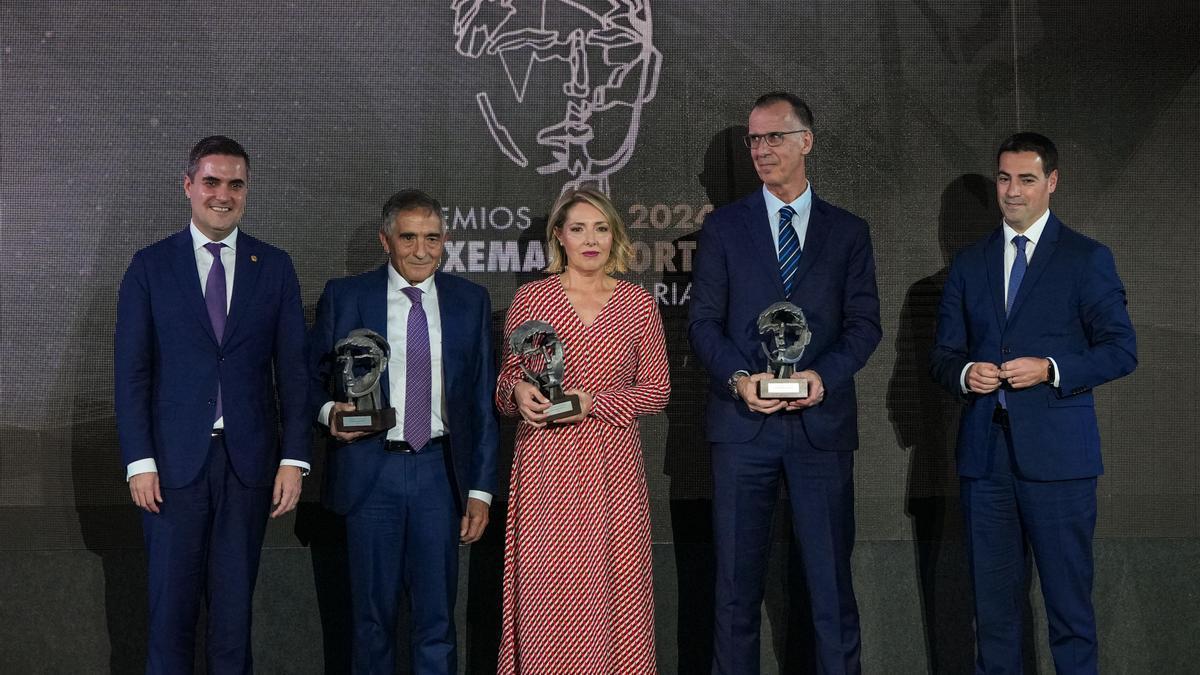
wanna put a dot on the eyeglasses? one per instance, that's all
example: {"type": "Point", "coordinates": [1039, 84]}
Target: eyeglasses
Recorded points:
{"type": "Point", "coordinates": [772, 138]}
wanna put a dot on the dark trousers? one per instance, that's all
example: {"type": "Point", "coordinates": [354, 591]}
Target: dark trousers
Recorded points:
{"type": "Point", "coordinates": [205, 542]}
{"type": "Point", "coordinates": [820, 488]}
{"type": "Point", "coordinates": [404, 537]}
{"type": "Point", "coordinates": [1006, 516]}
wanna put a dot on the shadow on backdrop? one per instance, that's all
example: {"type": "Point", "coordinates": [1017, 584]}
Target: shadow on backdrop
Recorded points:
{"type": "Point", "coordinates": [109, 523]}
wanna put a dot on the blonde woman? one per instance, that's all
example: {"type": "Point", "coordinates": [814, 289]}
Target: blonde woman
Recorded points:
{"type": "Point", "coordinates": [578, 589]}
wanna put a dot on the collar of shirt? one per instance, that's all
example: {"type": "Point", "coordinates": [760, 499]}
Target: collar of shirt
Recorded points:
{"type": "Point", "coordinates": [1033, 234]}
{"type": "Point", "coordinates": [1010, 249]}
{"type": "Point", "coordinates": [199, 240]}
{"type": "Point", "coordinates": [397, 283]}
{"type": "Point", "coordinates": [802, 205]}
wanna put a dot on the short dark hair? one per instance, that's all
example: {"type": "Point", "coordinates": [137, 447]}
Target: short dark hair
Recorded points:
{"type": "Point", "coordinates": [803, 112]}
{"type": "Point", "coordinates": [408, 200]}
{"type": "Point", "coordinates": [1027, 141]}
{"type": "Point", "coordinates": [215, 145]}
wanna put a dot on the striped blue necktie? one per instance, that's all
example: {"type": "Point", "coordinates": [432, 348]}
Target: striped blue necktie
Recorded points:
{"type": "Point", "coordinates": [789, 249]}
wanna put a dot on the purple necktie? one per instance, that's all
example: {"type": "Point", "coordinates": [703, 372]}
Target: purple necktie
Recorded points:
{"type": "Point", "coordinates": [418, 376]}
{"type": "Point", "coordinates": [214, 299]}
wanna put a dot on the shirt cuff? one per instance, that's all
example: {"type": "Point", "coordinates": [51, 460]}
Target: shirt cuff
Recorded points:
{"type": "Point", "coordinates": [147, 465]}
{"type": "Point", "coordinates": [1057, 373]}
{"type": "Point", "coordinates": [485, 497]}
{"type": "Point", "coordinates": [305, 467]}
{"type": "Point", "coordinates": [962, 378]}
{"type": "Point", "coordinates": [323, 415]}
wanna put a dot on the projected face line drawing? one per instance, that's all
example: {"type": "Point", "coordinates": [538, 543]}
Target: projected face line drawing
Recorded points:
{"type": "Point", "coordinates": [613, 73]}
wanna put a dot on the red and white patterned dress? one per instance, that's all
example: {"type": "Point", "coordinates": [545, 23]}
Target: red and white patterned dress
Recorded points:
{"type": "Point", "coordinates": [578, 579]}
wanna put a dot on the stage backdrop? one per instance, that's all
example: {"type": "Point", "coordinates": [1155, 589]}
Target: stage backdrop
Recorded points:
{"type": "Point", "coordinates": [495, 106]}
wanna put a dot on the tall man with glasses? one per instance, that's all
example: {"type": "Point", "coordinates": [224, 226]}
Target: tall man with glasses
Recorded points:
{"type": "Point", "coordinates": [1032, 319]}
{"type": "Point", "coordinates": [782, 243]}
{"type": "Point", "coordinates": [209, 336]}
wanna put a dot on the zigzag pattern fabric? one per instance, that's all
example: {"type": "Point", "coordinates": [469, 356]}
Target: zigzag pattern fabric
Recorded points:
{"type": "Point", "coordinates": [578, 583]}
{"type": "Point", "coordinates": [789, 249]}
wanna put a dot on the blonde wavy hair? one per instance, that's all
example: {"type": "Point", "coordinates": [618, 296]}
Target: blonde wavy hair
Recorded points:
{"type": "Point", "coordinates": [622, 249]}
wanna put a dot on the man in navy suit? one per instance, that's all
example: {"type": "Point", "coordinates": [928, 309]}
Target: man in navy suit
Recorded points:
{"type": "Point", "coordinates": [209, 362]}
{"type": "Point", "coordinates": [412, 494]}
{"type": "Point", "coordinates": [1032, 319]}
{"type": "Point", "coordinates": [783, 243]}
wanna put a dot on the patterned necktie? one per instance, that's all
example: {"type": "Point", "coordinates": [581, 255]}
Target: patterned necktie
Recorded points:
{"type": "Point", "coordinates": [1020, 264]}
{"type": "Point", "coordinates": [418, 376]}
{"type": "Point", "coordinates": [214, 300]}
{"type": "Point", "coordinates": [789, 249]}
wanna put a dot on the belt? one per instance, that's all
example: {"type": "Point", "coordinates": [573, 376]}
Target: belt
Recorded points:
{"type": "Point", "coordinates": [218, 433]}
{"type": "Point", "coordinates": [1000, 417]}
{"type": "Point", "coordinates": [404, 448]}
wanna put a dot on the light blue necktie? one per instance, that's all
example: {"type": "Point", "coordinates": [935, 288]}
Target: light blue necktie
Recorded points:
{"type": "Point", "coordinates": [789, 249]}
{"type": "Point", "coordinates": [1020, 264]}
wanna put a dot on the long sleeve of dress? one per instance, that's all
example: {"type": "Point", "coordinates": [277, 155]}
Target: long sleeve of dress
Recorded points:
{"type": "Point", "coordinates": [650, 390]}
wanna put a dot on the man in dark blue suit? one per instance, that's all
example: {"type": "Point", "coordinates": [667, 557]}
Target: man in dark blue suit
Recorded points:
{"type": "Point", "coordinates": [1032, 319]}
{"type": "Point", "coordinates": [783, 243]}
{"type": "Point", "coordinates": [209, 362]}
{"type": "Point", "coordinates": [412, 494]}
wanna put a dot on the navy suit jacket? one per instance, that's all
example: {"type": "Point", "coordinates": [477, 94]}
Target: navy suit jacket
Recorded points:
{"type": "Point", "coordinates": [468, 373]}
{"type": "Point", "coordinates": [736, 277]}
{"type": "Point", "coordinates": [168, 363]}
{"type": "Point", "coordinates": [1070, 307]}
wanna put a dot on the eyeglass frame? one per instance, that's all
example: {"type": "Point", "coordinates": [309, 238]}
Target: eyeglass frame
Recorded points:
{"type": "Point", "coordinates": [752, 141]}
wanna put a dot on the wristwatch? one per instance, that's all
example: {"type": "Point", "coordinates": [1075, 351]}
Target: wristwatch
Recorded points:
{"type": "Point", "coordinates": [733, 382]}
{"type": "Point", "coordinates": [1050, 374]}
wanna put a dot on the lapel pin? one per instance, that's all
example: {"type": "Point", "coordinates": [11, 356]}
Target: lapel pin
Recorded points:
{"type": "Point", "coordinates": [253, 258]}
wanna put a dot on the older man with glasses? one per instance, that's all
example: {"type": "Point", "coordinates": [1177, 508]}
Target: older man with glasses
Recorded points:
{"type": "Point", "coordinates": [782, 243]}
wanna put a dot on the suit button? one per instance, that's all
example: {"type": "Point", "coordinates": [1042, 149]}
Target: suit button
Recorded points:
{"type": "Point", "coordinates": [221, 359]}
{"type": "Point", "coordinates": [1005, 350]}
{"type": "Point", "coordinates": [212, 401]}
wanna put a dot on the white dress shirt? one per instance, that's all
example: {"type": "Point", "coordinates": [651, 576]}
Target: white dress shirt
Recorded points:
{"type": "Point", "coordinates": [204, 262]}
{"type": "Point", "coordinates": [1033, 234]}
{"type": "Point", "coordinates": [398, 307]}
{"type": "Point", "coordinates": [802, 205]}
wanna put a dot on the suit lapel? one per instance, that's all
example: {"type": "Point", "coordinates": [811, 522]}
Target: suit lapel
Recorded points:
{"type": "Point", "coordinates": [757, 226]}
{"type": "Point", "coordinates": [1037, 264]}
{"type": "Point", "coordinates": [446, 303]}
{"type": "Point", "coordinates": [994, 262]}
{"type": "Point", "coordinates": [372, 311]}
{"type": "Point", "coordinates": [814, 239]}
{"type": "Point", "coordinates": [189, 281]}
{"type": "Point", "coordinates": [246, 269]}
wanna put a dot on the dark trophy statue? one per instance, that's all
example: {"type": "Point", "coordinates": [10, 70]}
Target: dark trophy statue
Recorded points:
{"type": "Point", "coordinates": [789, 335]}
{"type": "Point", "coordinates": [363, 356]}
{"type": "Point", "coordinates": [535, 344]}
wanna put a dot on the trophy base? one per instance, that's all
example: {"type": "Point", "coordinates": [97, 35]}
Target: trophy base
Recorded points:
{"type": "Point", "coordinates": [371, 421]}
{"type": "Point", "coordinates": [782, 389]}
{"type": "Point", "coordinates": [566, 406]}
